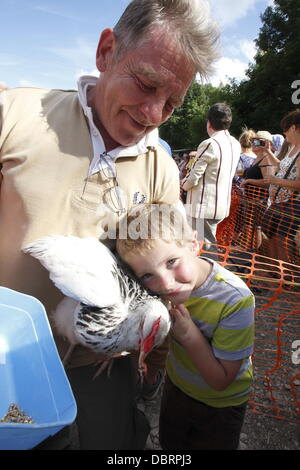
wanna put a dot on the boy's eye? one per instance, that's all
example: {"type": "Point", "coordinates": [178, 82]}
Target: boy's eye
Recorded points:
{"type": "Point", "coordinates": [171, 262]}
{"type": "Point", "coordinates": [145, 277]}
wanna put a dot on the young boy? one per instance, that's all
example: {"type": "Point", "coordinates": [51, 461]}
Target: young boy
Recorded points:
{"type": "Point", "coordinates": [209, 370]}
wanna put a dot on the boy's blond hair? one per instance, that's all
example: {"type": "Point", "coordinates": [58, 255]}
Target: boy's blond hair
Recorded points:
{"type": "Point", "coordinates": [145, 223]}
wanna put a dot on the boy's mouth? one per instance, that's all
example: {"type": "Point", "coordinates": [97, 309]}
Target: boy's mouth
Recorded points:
{"type": "Point", "coordinates": [172, 293]}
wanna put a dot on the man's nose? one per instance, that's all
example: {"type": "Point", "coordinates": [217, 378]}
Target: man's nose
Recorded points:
{"type": "Point", "coordinates": [153, 111]}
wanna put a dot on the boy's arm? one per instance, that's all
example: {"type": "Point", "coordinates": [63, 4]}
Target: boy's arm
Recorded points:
{"type": "Point", "coordinates": [217, 373]}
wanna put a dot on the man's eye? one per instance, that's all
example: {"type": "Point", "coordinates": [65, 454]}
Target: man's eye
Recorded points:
{"type": "Point", "coordinates": [144, 86]}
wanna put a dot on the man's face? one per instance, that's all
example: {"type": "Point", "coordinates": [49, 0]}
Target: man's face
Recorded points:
{"type": "Point", "coordinates": [140, 91]}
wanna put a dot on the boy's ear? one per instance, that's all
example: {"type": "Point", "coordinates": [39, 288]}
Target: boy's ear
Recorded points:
{"type": "Point", "coordinates": [195, 243]}
{"type": "Point", "coordinates": [105, 49]}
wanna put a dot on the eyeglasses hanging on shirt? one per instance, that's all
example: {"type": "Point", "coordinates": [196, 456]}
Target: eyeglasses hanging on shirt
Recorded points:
{"type": "Point", "coordinates": [114, 197]}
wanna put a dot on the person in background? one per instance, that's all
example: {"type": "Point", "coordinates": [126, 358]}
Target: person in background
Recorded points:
{"type": "Point", "coordinates": [184, 168]}
{"type": "Point", "coordinates": [286, 146]}
{"type": "Point", "coordinates": [72, 163]}
{"type": "Point", "coordinates": [192, 159]}
{"type": "Point", "coordinates": [166, 146]}
{"type": "Point", "coordinates": [265, 163]}
{"type": "Point", "coordinates": [281, 220]}
{"type": "Point", "coordinates": [209, 370]}
{"type": "Point", "coordinates": [247, 156]}
{"type": "Point", "coordinates": [277, 142]}
{"type": "Point", "coordinates": [255, 192]}
{"type": "Point", "coordinates": [183, 165]}
{"type": "Point", "coordinates": [209, 182]}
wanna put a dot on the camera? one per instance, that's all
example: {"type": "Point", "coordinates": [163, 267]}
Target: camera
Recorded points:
{"type": "Point", "coordinates": [258, 143]}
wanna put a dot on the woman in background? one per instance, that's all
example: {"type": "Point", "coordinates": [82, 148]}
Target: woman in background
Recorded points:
{"type": "Point", "coordinates": [247, 156]}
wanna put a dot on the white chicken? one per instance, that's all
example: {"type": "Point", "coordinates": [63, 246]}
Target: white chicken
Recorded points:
{"type": "Point", "coordinates": [106, 309]}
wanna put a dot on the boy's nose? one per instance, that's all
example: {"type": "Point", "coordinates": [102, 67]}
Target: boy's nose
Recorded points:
{"type": "Point", "coordinates": [166, 283]}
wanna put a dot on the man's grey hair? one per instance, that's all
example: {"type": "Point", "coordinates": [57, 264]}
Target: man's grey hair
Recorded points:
{"type": "Point", "coordinates": [189, 21]}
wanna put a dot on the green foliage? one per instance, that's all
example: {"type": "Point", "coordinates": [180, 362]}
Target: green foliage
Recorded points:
{"type": "Point", "coordinates": [261, 100]}
{"type": "Point", "coordinates": [187, 126]}
{"type": "Point", "coordinates": [266, 96]}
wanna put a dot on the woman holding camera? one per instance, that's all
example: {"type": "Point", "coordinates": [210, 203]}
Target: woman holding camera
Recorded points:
{"type": "Point", "coordinates": [265, 164]}
{"type": "Point", "coordinates": [281, 220]}
{"type": "Point", "coordinates": [256, 191]}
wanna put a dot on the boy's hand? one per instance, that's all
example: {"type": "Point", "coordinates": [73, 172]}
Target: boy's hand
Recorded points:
{"type": "Point", "coordinates": [218, 373]}
{"type": "Point", "coordinates": [183, 325]}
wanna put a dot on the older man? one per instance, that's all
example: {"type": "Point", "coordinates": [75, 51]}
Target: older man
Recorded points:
{"type": "Point", "coordinates": [56, 181]}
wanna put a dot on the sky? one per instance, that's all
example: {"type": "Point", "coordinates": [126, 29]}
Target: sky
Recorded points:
{"type": "Point", "coordinates": [50, 43]}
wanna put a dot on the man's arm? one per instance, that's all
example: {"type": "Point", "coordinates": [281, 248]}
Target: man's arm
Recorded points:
{"type": "Point", "coordinates": [204, 155]}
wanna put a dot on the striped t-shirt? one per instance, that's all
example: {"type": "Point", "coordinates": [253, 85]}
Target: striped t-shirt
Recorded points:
{"type": "Point", "coordinates": [223, 309]}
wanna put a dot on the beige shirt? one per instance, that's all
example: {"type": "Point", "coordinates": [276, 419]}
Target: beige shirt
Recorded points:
{"type": "Point", "coordinates": [46, 153]}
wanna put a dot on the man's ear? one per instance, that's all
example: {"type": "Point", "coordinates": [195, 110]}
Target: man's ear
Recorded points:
{"type": "Point", "coordinates": [209, 126]}
{"type": "Point", "coordinates": [105, 49]}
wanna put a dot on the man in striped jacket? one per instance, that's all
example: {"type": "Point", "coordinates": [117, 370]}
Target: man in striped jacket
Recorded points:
{"type": "Point", "coordinates": [209, 182]}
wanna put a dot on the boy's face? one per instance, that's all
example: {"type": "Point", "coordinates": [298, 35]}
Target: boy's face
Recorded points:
{"type": "Point", "coordinates": [167, 269]}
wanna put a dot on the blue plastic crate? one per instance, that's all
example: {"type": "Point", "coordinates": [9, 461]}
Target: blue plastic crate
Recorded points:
{"type": "Point", "coordinates": [31, 373]}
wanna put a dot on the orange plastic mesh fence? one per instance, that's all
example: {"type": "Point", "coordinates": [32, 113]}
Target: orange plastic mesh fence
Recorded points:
{"type": "Point", "coordinates": [276, 358]}
{"type": "Point", "coordinates": [261, 223]}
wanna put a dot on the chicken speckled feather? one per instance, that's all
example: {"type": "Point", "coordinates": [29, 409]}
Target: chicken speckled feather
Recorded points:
{"type": "Point", "coordinates": [105, 308]}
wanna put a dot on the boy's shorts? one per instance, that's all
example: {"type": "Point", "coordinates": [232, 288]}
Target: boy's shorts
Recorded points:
{"type": "Point", "coordinates": [188, 424]}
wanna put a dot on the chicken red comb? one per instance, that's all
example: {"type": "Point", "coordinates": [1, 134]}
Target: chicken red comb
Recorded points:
{"type": "Point", "coordinates": [148, 342]}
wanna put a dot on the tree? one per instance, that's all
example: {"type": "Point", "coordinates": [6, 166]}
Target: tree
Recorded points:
{"type": "Point", "coordinates": [178, 130]}
{"type": "Point", "coordinates": [187, 126]}
{"type": "Point", "coordinates": [263, 99]}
